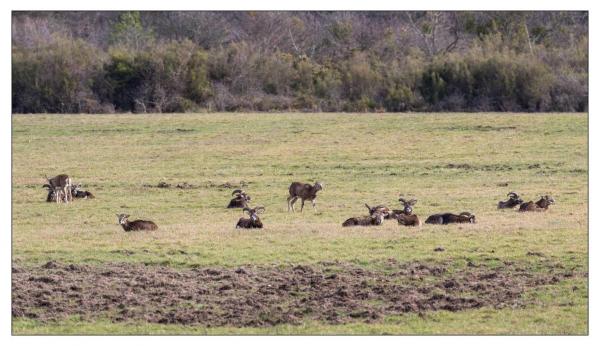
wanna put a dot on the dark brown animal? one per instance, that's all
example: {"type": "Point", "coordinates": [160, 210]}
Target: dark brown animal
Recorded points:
{"type": "Point", "coordinates": [541, 205]}
{"type": "Point", "coordinates": [372, 220]}
{"type": "Point", "coordinates": [253, 221]}
{"type": "Point", "coordinates": [406, 208]}
{"type": "Point", "coordinates": [304, 192]}
{"type": "Point", "coordinates": [407, 218]}
{"type": "Point", "coordinates": [137, 225]}
{"type": "Point", "coordinates": [446, 218]}
{"type": "Point", "coordinates": [240, 200]}
{"type": "Point", "coordinates": [77, 193]}
{"type": "Point", "coordinates": [513, 201]}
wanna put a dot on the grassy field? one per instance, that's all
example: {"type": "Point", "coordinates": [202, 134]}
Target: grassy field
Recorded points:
{"type": "Point", "coordinates": [449, 162]}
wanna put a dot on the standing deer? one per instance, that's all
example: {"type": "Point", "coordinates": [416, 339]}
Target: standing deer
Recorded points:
{"type": "Point", "coordinates": [304, 192]}
{"type": "Point", "coordinates": [61, 185]}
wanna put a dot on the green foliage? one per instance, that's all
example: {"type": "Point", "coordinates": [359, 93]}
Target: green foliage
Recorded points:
{"type": "Point", "coordinates": [130, 32]}
{"type": "Point", "coordinates": [56, 78]}
{"type": "Point", "coordinates": [499, 68]}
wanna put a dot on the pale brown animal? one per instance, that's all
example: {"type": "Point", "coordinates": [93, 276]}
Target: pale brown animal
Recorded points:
{"type": "Point", "coordinates": [61, 185]}
{"type": "Point", "coordinates": [541, 205]}
{"type": "Point", "coordinates": [137, 225]}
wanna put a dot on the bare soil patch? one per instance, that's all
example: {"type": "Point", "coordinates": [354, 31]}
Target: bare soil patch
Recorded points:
{"type": "Point", "coordinates": [330, 292]}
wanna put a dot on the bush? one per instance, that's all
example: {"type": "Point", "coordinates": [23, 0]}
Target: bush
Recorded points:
{"type": "Point", "coordinates": [56, 78]}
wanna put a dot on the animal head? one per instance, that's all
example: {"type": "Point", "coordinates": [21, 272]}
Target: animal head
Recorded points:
{"type": "Point", "coordinates": [378, 216]}
{"type": "Point", "coordinates": [407, 205]}
{"type": "Point", "coordinates": [548, 199]}
{"type": "Point", "coordinates": [253, 213]}
{"type": "Point", "coordinates": [319, 186]}
{"type": "Point", "coordinates": [515, 197]}
{"type": "Point", "coordinates": [122, 218]}
{"type": "Point", "coordinates": [241, 194]}
{"type": "Point", "coordinates": [468, 215]}
{"type": "Point", "coordinates": [378, 209]}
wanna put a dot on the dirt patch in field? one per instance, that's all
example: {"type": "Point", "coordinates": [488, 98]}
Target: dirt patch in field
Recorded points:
{"type": "Point", "coordinates": [331, 292]}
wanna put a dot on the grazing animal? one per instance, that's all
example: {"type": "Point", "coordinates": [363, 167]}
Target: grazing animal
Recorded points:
{"type": "Point", "coordinates": [375, 219]}
{"type": "Point", "coordinates": [513, 201]}
{"type": "Point", "coordinates": [253, 221]}
{"type": "Point", "coordinates": [304, 192]}
{"type": "Point", "coordinates": [407, 208]}
{"type": "Point", "coordinates": [240, 200]}
{"type": "Point", "coordinates": [446, 218]}
{"type": "Point", "coordinates": [137, 225]}
{"type": "Point", "coordinates": [379, 209]}
{"type": "Point", "coordinates": [61, 185]}
{"type": "Point", "coordinates": [541, 205]}
{"type": "Point", "coordinates": [407, 218]}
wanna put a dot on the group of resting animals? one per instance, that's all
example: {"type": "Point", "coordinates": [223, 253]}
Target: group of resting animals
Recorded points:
{"type": "Point", "coordinates": [378, 213]}
{"type": "Point", "coordinates": [60, 188]}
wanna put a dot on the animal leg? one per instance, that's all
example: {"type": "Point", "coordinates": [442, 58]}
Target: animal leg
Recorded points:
{"type": "Point", "coordinates": [294, 199]}
{"type": "Point", "coordinates": [302, 206]}
{"type": "Point", "coordinates": [314, 204]}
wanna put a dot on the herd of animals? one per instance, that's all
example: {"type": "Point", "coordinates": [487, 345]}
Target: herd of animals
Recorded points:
{"type": "Point", "coordinates": [62, 189]}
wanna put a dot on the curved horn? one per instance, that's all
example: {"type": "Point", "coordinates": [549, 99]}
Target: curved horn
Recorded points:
{"type": "Point", "coordinates": [259, 210]}
{"type": "Point", "coordinates": [402, 200]}
{"type": "Point", "coordinates": [366, 205]}
{"type": "Point", "coordinates": [237, 191]}
{"type": "Point", "coordinates": [246, 209]}
{"type": "Point", "coordinates": [512, 194]}
{"type": "Point", "coordinates": [412, 202]}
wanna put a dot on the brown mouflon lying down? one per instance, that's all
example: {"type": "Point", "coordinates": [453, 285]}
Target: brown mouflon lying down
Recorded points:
{"type": "Point", "coordinates": [379, 209]}
{"type": "Point", "coordinates": [240, 200]}
{"type": "Point", "coordinates": [541, 205]}
{"type": "Point", "coordinates": [407, 218]}
{"type": "Point", "coordinates": [513, 201]}
{"type": "Point", "coordinates": [372, 220]}
{"type": "Point", "coordinates": [253, 221]}
{"type": "Point", "coordinates": [304, 192]}
{"type": "Point", "coordinates": [405, 204]}
{"type": "Point", "coordinates": [137, 225]}
{"type": "Point", "coordinates": [446, 218]}
{"type": "Point", "coordinates": [61, 186]}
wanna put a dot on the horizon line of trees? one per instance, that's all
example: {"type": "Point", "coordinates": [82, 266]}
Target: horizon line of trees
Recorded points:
{"type": "Point", "coordinates": [106, 62]}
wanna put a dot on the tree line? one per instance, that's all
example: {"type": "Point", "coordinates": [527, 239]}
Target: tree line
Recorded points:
{"type": "Point", "coordinates": [105, 62]}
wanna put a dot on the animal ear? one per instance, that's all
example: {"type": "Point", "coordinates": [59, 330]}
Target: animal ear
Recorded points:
{"type": "Point", "coordinates": [412, 202]}
{"type": "Point", "coordinates": [402, 200]}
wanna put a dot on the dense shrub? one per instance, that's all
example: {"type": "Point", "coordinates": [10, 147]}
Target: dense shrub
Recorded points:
{"type": "Point", "coordinates": [341, 61]}
{"type": "Point", "coordinates": [55, 78]}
